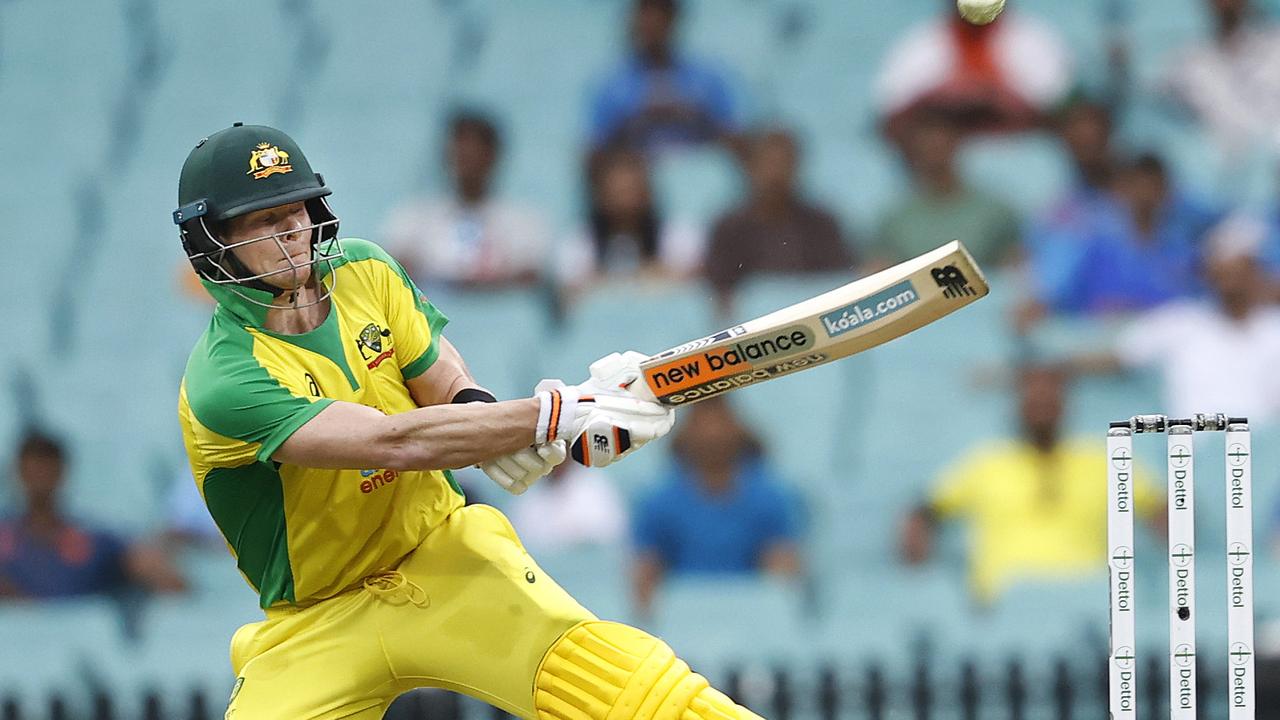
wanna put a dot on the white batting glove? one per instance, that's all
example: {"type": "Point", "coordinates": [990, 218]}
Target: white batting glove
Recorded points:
{"type": "Point", "coordinates": [620, 420]}
{"type": "Point", "coordinates": [615, 374]}
{"type": "Point", "coordinates": [516, 472]}
{"type": "Point", "coordinates": [618, 426]}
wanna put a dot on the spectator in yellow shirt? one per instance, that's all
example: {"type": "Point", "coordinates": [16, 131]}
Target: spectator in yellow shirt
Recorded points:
{"type": "Point", "coordinates": [1035, 506]}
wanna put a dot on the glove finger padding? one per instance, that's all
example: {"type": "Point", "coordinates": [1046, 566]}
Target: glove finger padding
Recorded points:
{"type": "Point", "coordinates": [516, 472]}
{"type": "Point", "coordinates": [511, 465]}
{"type": "Point", "coordinates": [552, 453]}
{"type": "Point", "coordinates": [500, 476]}
{"type": "Point", "coordinates": [530, 462]}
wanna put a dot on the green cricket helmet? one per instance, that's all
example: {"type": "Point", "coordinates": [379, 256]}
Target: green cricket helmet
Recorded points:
{"type": "Point", "coordinates": [239, 170]}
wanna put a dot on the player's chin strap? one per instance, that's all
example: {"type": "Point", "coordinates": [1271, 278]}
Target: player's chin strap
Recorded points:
{"type": "Point", "coordinates": [602, 670]}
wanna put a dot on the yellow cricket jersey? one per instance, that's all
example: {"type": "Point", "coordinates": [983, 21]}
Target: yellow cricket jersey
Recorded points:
{"type": "Point", "coordinates": [1033, 514]}
{"type": "Point", "coordinates": [300, 534]}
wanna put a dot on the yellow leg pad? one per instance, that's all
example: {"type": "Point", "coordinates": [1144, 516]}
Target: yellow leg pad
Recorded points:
{"type": "Point", "coordinates": [608, 671]}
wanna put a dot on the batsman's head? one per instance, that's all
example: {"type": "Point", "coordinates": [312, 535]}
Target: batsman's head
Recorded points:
{"type": "Point", "coordinates": [253, 215]}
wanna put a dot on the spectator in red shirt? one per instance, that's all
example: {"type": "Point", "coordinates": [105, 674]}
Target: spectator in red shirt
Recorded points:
{"type": "Point", "coordinates": [1000, 77]}
{"type": "Point", "coordinates": [44, 554]}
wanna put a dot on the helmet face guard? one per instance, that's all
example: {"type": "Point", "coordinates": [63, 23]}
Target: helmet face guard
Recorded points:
{"type": "Point", "coordinates": [215, 261]}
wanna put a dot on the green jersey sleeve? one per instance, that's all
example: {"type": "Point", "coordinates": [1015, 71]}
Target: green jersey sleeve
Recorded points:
{"type": "Point", "coordinates": [235, 395]}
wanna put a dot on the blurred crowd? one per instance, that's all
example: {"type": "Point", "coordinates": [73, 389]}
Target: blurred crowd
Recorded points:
{"type": "Point", "coordinates": [1191, 286]}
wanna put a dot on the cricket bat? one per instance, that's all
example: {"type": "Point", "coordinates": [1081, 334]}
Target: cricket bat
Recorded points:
{"type": "Point", "coordinates": [836, 324]}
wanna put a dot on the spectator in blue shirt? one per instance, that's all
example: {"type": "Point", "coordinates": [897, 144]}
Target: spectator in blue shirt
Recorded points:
{"type": "Point", "coordinates": [720, 510]}
{"type": "Point", "coordinates": [44, 554]}
{"type": "Point", "coordinates": [1085, 129]}
{"type": "Point", "coordinates": [658, 97]}
{"type": "Point", "coordinates": [1136, 249]}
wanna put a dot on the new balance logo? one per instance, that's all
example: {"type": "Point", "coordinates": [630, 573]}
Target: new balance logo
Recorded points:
{"type": "Point", "coordinates": [952, 281]}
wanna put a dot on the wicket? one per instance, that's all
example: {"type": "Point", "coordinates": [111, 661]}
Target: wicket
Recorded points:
{"type": "Point", "coordinates": [1182, 557]}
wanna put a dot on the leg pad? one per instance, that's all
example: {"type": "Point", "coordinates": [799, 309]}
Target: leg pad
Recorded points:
{"type": "Point", "coordinates": [609, 671]}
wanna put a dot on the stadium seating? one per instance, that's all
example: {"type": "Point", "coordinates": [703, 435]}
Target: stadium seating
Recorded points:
{"type": "Point", "coordinates": [184, 651]}
{"type": "Point", "coordinates": [695, 187]}
{"type": "Point", "coordinates": [58, 650]}
{"type": "Point", "coordinates": [709, 619]}
{"type": "Point", "coordinates": [804, 419]}
{"type": "Point", "coordinates": [496, 333]}
{"type": "Point", "coordinates": [1035, 158]}
{"type": "Point", "coordinates": [592, 575]}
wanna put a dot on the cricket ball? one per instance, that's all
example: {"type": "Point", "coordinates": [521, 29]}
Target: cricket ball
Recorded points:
{"type": "Point", "coordinates": [980, 12]}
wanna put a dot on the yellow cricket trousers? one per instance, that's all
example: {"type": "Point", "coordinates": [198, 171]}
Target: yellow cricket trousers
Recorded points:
{"type": "Point", "coordinates": [468, 611]}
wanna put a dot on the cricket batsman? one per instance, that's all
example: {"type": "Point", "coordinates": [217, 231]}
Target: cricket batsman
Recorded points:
{"type": "Point", "coordinates": [321, 412]}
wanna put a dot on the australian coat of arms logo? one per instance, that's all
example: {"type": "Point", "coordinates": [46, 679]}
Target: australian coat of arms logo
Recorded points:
{"type": "Point", "coordinates": [370, 341]}
{"type": "Point", "coordinates": [267, 160]}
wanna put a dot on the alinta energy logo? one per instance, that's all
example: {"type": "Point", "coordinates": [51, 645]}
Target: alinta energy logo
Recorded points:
{"type": "Point", "coordinates": [377, 478]}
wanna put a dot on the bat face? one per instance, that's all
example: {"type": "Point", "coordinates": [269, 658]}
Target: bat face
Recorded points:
{"type": "Point", "coordinates": [845, 321]}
